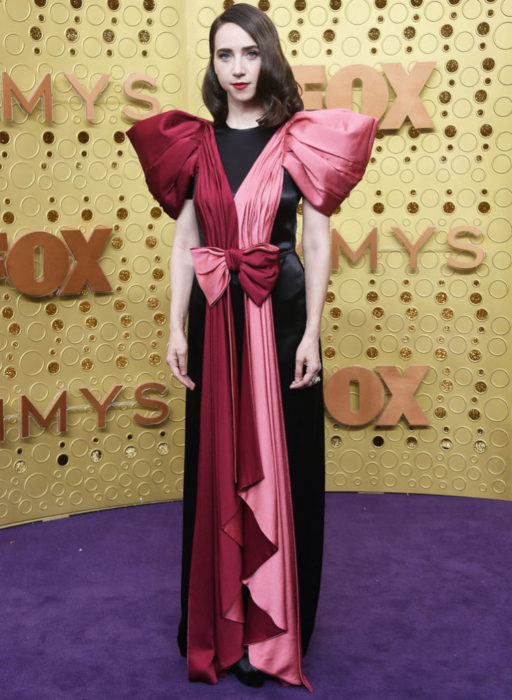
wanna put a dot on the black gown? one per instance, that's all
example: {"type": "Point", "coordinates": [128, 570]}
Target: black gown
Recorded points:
{"type": "Point", "coordinates": [303, 408]}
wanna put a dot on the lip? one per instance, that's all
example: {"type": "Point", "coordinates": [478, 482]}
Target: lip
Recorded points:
{"type": "Point", "coordinates": [240, 86]}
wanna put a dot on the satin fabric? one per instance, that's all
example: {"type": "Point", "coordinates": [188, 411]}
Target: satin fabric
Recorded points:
{"type": "Point", "coordinates": [257, 268]}
{"type": "Point", "coordinates": [273, 585]}
{"type": "Point", "coordinates": [325, 153]}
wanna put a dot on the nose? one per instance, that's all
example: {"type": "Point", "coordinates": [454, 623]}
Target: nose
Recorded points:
{"type": "Point", "coordinates": [238, 65]}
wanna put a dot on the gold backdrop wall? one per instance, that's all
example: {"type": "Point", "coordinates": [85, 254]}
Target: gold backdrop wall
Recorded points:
{"type": "Point", "coordinates": [72, 172]}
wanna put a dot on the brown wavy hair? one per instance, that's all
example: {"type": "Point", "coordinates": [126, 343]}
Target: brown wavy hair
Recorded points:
{"type": "Point", "coordinates": [277, 90]}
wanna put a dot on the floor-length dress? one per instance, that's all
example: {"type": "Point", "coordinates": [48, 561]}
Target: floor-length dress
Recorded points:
{"type": "Point", "coordinates": [254, 464]}
{"type": "Point", "coordinates": [303, 408]}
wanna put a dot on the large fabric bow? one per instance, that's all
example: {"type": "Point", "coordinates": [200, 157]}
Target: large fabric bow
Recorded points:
{"type": "Point", "coordinates": [257, 268]}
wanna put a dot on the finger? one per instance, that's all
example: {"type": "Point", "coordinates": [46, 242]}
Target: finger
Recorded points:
{"type": "Point", "coordinates": [176, 372]}
{"type": "Point", "coordinates": [172, 361]}
{"type": "Point", "coordinates": [182, 363]}
{"type": "Point", "coordinates": [299, 369]}
{"type": "Point", "coordinates": [187, 382]}
{"type": "Point", "coordinates": [304, 381]}
{"type": "Point", "coordinates": [174, 364]}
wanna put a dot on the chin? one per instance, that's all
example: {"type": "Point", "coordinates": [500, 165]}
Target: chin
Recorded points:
{"type": "Point", "coordinates": [244, 97]}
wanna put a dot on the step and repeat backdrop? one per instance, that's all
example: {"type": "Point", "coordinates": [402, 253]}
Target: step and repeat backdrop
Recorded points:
{"type": "Point", "coordinates": [416, 328]}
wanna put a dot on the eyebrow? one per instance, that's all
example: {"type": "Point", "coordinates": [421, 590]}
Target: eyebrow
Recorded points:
{"type": "Point", "coordinates": [244, 48]}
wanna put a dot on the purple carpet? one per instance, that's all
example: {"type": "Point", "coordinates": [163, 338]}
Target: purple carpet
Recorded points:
{"type": "Point", "coordinates": [416, 603]}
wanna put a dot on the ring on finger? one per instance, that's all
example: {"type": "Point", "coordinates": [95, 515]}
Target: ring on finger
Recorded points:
{"type": "Point", "coordinates": [316, 380]}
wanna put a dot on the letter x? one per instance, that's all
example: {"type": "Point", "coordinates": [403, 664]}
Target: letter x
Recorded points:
{"type": "Point", "coordinates": [402, 401]}
{"type": "Point", "coordinates": [407, 102]}
{"type": "Point", "coordinates": [86, 268]}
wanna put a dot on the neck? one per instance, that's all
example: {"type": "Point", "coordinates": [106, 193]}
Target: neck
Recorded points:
{"type": "Point", "coordinates": [243, 116]}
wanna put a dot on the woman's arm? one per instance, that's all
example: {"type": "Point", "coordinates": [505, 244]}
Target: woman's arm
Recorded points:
{"type": "Point", "coordinates": [182, 275]}
{"type": "Point", "coordinates": [317, 253]}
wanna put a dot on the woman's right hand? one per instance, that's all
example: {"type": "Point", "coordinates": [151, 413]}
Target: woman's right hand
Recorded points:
{"type": "Point", "coordinates": [177, 358]}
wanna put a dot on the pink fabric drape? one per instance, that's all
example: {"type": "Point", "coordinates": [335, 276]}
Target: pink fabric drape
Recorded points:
{"type": "Point", "coordinates": [257, 268]}
{"type": "Point", "coordinates": [244, 523]}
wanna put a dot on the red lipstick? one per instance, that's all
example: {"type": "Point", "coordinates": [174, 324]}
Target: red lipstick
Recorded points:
{"type": "Point", "coordinates": [240, 86]}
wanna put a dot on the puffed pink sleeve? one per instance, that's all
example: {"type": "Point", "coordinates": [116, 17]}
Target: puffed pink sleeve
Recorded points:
{"type": "Point", "coordinates": [167, 147]}
{"type": "Point", "coordinates": [326, 153]}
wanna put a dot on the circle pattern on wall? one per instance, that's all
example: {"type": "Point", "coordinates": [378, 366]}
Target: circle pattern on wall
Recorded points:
{"type": "Point", "coordinates": [78, 171]}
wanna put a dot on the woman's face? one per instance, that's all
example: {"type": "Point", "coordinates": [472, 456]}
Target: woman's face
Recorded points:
{"type": "Point", "coordinates": [237, 63]}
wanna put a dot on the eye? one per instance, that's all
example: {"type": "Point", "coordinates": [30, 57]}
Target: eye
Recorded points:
{"type": "Point", "coordinates": [223, 55]}
{"type": "Point", "coordinates": [253, 53]}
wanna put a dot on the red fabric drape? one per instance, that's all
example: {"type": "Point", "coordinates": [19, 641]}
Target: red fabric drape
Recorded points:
{"type": "Point", "coordinates": [244, 520]}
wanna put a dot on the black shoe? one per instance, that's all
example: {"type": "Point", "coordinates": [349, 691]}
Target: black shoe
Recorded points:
{"type": "Point", "coordinates": [247, 673]}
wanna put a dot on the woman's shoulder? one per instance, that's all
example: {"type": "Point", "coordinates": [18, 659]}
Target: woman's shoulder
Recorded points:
{"type": "Point", "coordinates": [154, 136]}
{"type": "Point", "coordinates": [326, 152]}
{"type": "Point", "coordinates": [167, 145]}
{"type": "Point", "coordinates": [338, 132]}
{"type": "Point", "coordinates": [179, 115]}
{"type": "Point", "coordinates": [337, 118]}
{"type": "Point", "coordinates": [166, 121]}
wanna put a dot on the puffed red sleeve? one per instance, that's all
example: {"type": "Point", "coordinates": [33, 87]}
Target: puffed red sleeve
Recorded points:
{"type": "Point", "coordinates": [167, 147]}
{"type": "Point", "coordinates": [326, 153]}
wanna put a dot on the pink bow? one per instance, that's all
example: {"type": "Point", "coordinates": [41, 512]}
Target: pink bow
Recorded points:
{"type": "Point", "coordinates": [257, 267]}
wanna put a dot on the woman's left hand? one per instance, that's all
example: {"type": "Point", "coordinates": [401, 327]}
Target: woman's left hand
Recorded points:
{"type": "Point", "coordinates": [307, 363]}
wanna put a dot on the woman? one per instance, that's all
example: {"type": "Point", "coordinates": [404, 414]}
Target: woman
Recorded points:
{"type": "Point", "coordinates": [254, 458]}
